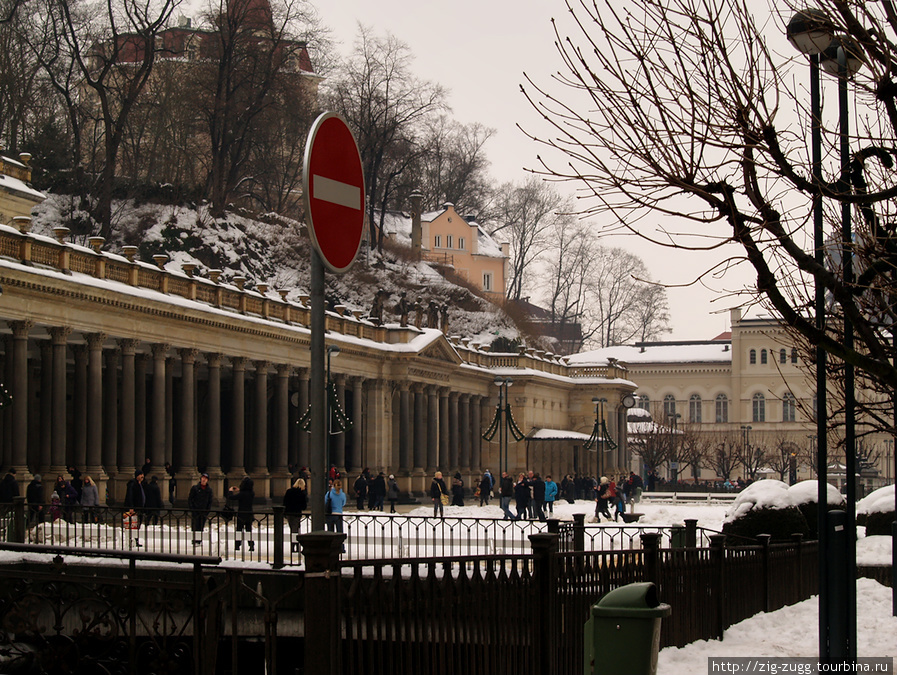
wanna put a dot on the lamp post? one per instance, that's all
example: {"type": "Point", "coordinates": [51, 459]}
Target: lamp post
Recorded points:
{"type": "Point", "coordinates": [674, 464]}
{"type": "Point", "coordinates": [811, 32]}
{"type": "Point", "coordinates": [503, 383]}
{"type": "Point", "coordinates": [600, 404]}
{"type": "Point", "coordinates": [332, 352]}
{"type": "Point", "coordinates": [746, 442]}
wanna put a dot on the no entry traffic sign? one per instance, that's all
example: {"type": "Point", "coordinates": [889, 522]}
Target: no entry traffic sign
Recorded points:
{"type": "Point", "coordinates": [333, 185]}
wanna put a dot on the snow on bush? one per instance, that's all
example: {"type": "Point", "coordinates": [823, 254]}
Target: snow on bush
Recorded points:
{"type": "Point", "coordinates": [878, 501]}
{"type": "Point", "coordinates": [806, 491]}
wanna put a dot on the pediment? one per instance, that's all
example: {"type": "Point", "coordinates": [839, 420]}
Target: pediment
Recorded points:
{"type": "Point", "coordinates": [441, 350]}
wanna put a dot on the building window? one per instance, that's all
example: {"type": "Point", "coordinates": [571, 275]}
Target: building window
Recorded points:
{"type": "Point", "coordinates": [487, 281]}
{"type": "Point", "coordinates": [763, 356]}
{"type": "Point", "coordinates": [789, 407]}
{"type": "Point", "coordinates": [437, 241]}
{"type": "Point", "coordinates": [783, 356]}
{"type": "Point", "coordinates": [461, 243]}
{"type": "Point", "coordinates": [448, 241]}
{"type": "Point", "coordinates": [753, 356]}
{"type": "Point", "coordinates": [722, 408]}
{"type": "Point", "coordinates": [644, 402]}
{"type": "Point", "coordinates": [669, 405]}
{"type": "Point", "coordinates": [793, 355]}
{"type": "Point", "coordinates": [759, 408]}
{"type": "Point", "coordinates": [694, 409]}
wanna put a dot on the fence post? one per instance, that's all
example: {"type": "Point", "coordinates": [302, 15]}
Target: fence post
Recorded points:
{"type": "Point", "coordinates": [18, 520]}
{"type": "Point", "coordinates": [764, 560]}
{"type": "Point", "coordinates": [278, 537]}
{"type": "Point", "coordinates": [579, 532]}
{"type": "Point", "coordinates": [651, 547]}
{"type": "Point", "coordinates": [718, 561]}
{"type": "Point", "coordinates": [323, 614]}
{"type": "Point", "coordinates": [545, 548]}
{"type": "Point", "coordinates": [554, 526]}
{"type": "Point", "coordinates": [798, 539]}
{"type": "Point", "coordinates": [691, 533]}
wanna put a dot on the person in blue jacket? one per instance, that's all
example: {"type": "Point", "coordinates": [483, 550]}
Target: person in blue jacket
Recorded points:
{"type": "Point", "coordinates": [551, 493]}
{"type": "Point", "coordinates": [335, 500]}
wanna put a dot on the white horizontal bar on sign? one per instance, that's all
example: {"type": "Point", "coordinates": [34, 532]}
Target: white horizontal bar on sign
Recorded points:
{"type": "Point", "coordinates": [335, 192]}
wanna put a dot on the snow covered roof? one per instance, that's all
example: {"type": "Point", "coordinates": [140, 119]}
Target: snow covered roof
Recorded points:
{"type": "Point", "coordinates": [17, 186]}
{"type": "Point", "coordinates": [709, 351]}
{"type": "Point", "coordinates": [556, 435]}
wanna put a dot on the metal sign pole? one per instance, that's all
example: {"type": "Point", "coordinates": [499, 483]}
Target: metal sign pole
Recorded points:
{"type": "Point", "coordinates": [317, 395]}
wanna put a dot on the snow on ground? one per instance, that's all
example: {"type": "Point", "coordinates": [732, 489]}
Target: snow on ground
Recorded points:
{"type": "Point", "coordinates": [791, 631]}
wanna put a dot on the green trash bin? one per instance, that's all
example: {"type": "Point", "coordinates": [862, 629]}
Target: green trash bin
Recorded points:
{"type": "Point", "coordinates": [677, 536]}
{"type": "Point", "coordinates": [622, 634]}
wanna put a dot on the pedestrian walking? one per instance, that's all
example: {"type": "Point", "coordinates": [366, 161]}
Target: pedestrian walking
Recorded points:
{"type": "Point", "coordinates": [377, 492]}
{"type": "Point", "coordinates": [551, 493]}
{"type": "Point", "coordinates": [244, 497]}
{"type": "Point", "coordinates": [521, 497]}
{"type": "Point", "coordinates": [392, 492]}
{"type": "Point", "coordinates": [9, 487]}
{"type": "Point", "coordinates": [90, 501]}
{"type": "Point", "coordinates": [295, 501]}
{"type": "Point", "coordinates": [135, 501]}
{"type": "Point", "coordinates": [199, 501]}
{"type": "Point", "coordinates": [154, 503]}
{"type": "Point", "coordinates": [361, 490]}
{"type": "Point", "coordinates": [486, 484]}
{"type": "Point", "coordinates": [601, 499]}
{"type": "Point", "coordinates": [457, 490]}
{"type": "Point", "coordinates": [505, 493]}
{"type": "Point", "coordinates": [439, 495]}
{"type": "Point", "coordinates": [538, 487]}
{"type": "Point", "coordinates": [334, 501]}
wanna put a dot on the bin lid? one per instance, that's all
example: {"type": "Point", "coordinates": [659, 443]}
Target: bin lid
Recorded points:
{"type": "Point", "coordinates": [633, 600]}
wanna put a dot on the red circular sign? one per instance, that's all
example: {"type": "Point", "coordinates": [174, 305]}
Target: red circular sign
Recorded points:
{"type": "Point", "coordinates": [333, 186]}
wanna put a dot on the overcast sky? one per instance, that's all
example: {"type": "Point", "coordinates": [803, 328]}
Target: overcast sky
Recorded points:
{"type": "Point", "coordinates": [479, 50]}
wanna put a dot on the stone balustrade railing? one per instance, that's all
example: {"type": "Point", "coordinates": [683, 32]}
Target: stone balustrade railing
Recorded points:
{"type": "Point", "coordinates": [57, 254]}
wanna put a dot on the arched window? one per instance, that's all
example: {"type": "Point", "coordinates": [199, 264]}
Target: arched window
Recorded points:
{"type": "Point", "coordinates": [759, 408]}
{"type": "Point", "coordinates": [669, 405]}
{"type": "Point", "coordinates": [694, 408]}
{"type": "Point", "coordinates": [783, 356]}
{"type": "Point", "coordinates": [722, 408]}
{"type": "Point", "coordinates": [644, 402]}
{"type": "Point", "coordinates": [789, 407]}
{"type": "Point", "coordinates": [793, 355]}
{"type": "Point", "coordinates": [753, 356]}
{"type": "Point", "coordinates": [762, 356]}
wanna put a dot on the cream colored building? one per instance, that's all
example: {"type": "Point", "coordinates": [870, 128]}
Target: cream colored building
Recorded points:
{"type": "Point", "coordinates": [745, 386]}
{"type": "Point", "coordinates": [17, 197]}
{"type": "Point", "coordinates": [111, 360]}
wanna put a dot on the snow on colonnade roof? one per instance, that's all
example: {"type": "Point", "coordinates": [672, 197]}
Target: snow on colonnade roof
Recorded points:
{"type": "Point", "coordinates": [715, 351]}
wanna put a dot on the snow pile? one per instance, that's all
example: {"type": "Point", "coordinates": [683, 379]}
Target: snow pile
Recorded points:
{"type": "Point", "coordinates": [806, 492]}
{"type": "Point", "coordinates": [878, 501]}
{"type": "Point", "coordinates": [775, 494]}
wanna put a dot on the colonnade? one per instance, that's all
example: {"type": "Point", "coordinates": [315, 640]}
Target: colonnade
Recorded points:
{"type": "Point", "coordinates": [105, 404]}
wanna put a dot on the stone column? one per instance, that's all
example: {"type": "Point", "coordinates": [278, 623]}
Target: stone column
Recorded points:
{"type": "Point", "coordinates": [19, 390]}
{"type": "Point", "coordinates": [170, 364]}
{"type": "Point", "coordinates": [59, 338]}
{"type": "Point", "coordinates": [260, 451]}
{"type": "Point", "coordinates": [378, 442]}
{"type": "Point", "coordinates": [95, 407]}
{"type": "Point", "coordinates": [188, 421]}
{"type": "Point", "coordinates": [110, 415]}
{"type": "Point", "coordinates": [302, 436]}
{"type": "Point", "coordinates": [432, 429]}
{"type": "Point", "coordinates": [141, 361]}
{"type": "Point", "coordinates": [443, 457]}
{"type": "Point", "coordinates": [127, 456]}
{"type": "Point", "coordinates": [359, 460]}
{"type": "Point", "coordinates": [7, 410]}
{"type": "Point", "coordinates": [79, 401]}
{"type": "Point", "coordinates": [213, 417]}
{"type": "Point", "coordinates": [279, 468]}
{"type": "Point", "coordinates": [464, 428]}
{"type": "Point", "coordinates": [419, 451]}
{"type": "Point", "coordinates": [238, 449]}
{"type": "Point", "coordinates": [339, 439]}
{"type": "Point", "coordinates": [45, 428]}
{"type": "Point", "coordinates": [454, 434]}
{"type": "Point", "coordinates": [404, 428]}
{"type": "Point", "coordinates": [476, 435]}
{"type": "Point", "coordinates": [157, 449]}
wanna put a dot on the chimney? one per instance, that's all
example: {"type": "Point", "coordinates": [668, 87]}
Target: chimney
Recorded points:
{"type": "Point", "coordinates": [416, 201]}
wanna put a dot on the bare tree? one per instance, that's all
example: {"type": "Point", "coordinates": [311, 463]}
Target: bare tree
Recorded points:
{"type": "Point", "coordinates": [525, 214]}
{"type": "Point", "coordinates": [383, 103]}
{"type": "Point", "coordinates": [673, 110]}
{"type": "Point", "coordinates": [114, 50]}
{"type": "Point", "coordinates": [723, 457]}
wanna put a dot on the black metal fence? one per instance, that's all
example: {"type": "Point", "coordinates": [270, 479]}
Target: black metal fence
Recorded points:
{"type": "Point", "coordinates": [485, 613]}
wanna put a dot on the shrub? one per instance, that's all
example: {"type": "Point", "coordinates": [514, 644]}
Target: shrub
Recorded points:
{"type": "Point", "coordinates": [878, 523]}
{"type": "Point", "coordinates": [779, 523]}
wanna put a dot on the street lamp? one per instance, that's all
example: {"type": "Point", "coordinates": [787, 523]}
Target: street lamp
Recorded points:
{"type": "Point", "coordinates": [811, 32]}
{"type": "Point", "coordinates": [746, 442]}
{"type": "Point", "coordinates": [332, 352]}
{"type": "Point", "coordinates": [674, 464]}
{"type": "Point", "coordinates": [503, 383]}
{"type": "Point", "coordinates": [599, 427]}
